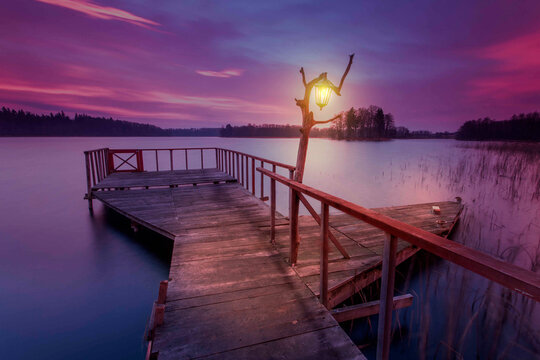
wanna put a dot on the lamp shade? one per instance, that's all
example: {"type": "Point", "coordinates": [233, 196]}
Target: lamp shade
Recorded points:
{"type": "Point", "coordinates": [323, 90]}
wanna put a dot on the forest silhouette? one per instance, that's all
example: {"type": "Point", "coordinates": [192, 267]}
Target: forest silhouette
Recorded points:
{"type": "Point", "coordinates": [369, 123]}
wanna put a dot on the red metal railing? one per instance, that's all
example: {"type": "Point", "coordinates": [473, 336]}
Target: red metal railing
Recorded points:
{"type": "Point", "coordinates": [102, 162]}
{"type": "Point", "coordinates": [508, 275]}
{"type": "Point", "coordinates": [126, 162]}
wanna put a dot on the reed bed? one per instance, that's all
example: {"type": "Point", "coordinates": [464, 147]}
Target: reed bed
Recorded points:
{"type": "Point", "coordinates": [457, 314]}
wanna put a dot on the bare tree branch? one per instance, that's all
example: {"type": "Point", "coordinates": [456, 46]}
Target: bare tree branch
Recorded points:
{"type": "Point", "coordinates": [345, 73]}
{"type": "Point", "coordinates": [303, 76]}
{"type": "Point", "coordinates": [327, 121]}
{"type": "Point", "coordinates": [337, 89]}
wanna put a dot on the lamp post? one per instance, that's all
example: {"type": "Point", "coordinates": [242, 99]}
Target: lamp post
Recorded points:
{"type": "Point", "coordinates": [323, 91]}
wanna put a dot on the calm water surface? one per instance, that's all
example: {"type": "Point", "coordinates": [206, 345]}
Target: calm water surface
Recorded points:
{"type": "Point", "coordinates": [77, 286]}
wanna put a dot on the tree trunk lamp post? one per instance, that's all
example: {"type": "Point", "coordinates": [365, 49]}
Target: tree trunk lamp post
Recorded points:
{"type": "Point", "coordinates": [323, 91]}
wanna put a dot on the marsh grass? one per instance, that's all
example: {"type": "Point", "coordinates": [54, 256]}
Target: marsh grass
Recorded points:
{"type": "Point", "coordinates": [457, 314]}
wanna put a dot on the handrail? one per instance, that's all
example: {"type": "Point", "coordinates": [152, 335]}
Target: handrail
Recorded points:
{"type": "Point", "coordinates": [97, 168]}
{"type": "Point", "coordinates": [101, 162]}
{"type": "Point", "coordinates": [239, 165]}
{"type": "Point", "coordinates": [258, 158]}
{"type": "Point", "coordinates": [508, 275]}
{"type": "Point", "coordinates": [267, 161]}
{"type": "Point", "coordinates": [162, 149]}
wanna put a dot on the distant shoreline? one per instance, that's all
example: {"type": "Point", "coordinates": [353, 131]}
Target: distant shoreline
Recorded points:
{"type": "Point", "coordinates": [217, 136]}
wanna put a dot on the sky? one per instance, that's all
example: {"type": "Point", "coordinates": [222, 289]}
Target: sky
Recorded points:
{"type": "Point", "coordinates": [432, 64]}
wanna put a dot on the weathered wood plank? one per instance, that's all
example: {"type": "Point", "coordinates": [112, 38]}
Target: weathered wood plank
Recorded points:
{"type": "Point", "coordinates": [231, 293]}
{"type": "Point", "coordinates": [369, 308]}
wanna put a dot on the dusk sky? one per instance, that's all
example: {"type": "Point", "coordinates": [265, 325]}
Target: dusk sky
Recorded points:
{"type": "Point", "coordinates": [170, 63]}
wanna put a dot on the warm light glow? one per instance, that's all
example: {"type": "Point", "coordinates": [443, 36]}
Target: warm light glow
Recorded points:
{"type": "Point", "coordinates": [322, 93]}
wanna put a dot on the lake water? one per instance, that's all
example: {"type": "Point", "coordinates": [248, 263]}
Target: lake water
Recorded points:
{"type": "Point", "coordinates": [79, 286]}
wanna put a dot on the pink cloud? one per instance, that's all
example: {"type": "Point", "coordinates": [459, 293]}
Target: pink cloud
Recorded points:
{"type": "Point", "coordinates": [516, 69]}
{"type": "Point", "coordinates": [87, 91]}
{"type": "Point", "coordinates": [132, 103]}
{"type": "Point", "coordinates": [221, 74]}
{"type": "Point", "coordinates": [125, 112]}
{"type": "Point", "coordinates": [517, 54]}
{"type": "Point", "coordinates": [101, 12]}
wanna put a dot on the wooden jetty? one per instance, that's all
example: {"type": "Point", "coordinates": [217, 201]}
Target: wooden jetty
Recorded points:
{"type": "Point", "coordinates": [232, 292]}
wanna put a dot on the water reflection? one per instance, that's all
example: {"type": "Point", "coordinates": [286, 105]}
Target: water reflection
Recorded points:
{"type": "Point", "coordinates": [458, 314]}
{"type": "Point", "coordinates": [86, 285]}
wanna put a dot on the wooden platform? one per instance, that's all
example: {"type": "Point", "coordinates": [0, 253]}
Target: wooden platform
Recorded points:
{"type": "Point", "coordinates": [232, 294]}
{"type": "Point", "coordinates": [363, 242]}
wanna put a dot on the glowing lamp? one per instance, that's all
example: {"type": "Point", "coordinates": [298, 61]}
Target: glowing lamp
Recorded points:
{"type": "Point", "coordinates": [323, 90]}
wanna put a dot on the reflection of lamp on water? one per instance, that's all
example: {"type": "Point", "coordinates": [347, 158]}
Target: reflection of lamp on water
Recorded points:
{"type": "Point", "coordinates": [323, 91]}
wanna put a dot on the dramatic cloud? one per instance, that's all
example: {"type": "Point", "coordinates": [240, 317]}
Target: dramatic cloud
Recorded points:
{"type": "Point", "coordinates": [432, 65]}
{"type": "Point", "coordinates": [156, 104]}
{"type": "Point", "coordinates": [515, 70]}
{"type": "Point", "coordinates": [221, 74]}
{"type": "Point", "coordinates": [101, 12]}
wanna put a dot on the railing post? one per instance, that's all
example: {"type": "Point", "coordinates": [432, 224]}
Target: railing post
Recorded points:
{"type": "Point", "coordinates": [170, 155]}
{"type": "Point", "coordinates": [88, 183]}
{"type": "Point", "coordinates": [107, 168]}
{"type": "Point", "coordinates": [246, 177]}
{"type": "Point", "coordinates": [242, 170]}
{"type": "Point", "coordinates": [324, 255]}
{"type": "Point", "coordinates": [293, 221]}
{"type": "Point", "coordinates": [272, 210]}
{"type": "Point", "coordinates": [104, 156]}
{"type": "Point", "coordinates": [187, 167]}
{"type": "Point", "coordinates": [157, 162]}
{"type": "Point", "coordinates": [262, 182]}
{"type": "Point", "coordinates": [202, 160]}
{"type": "Point", "coordinates": [110, 158]}
{"type": "Point", "coordinates": [253, 176]}
{"type": "Point", "coordinates": [98, 165]}
{"type": "Point", "coordinates": [93, 169]}
{"type": "Point", "coordinates": [293, 225]}
{"type": "Point", "coordinates": [237, 167]}
{"type": "Point", "coordinates": [387, 297]}
{"type": "Point", "coordinates": [217, 159]}
{"type": "Point", "coordinates": [140, 163]}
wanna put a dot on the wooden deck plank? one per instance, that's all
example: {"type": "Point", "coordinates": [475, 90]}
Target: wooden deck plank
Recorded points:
{"type": "Point", "coordinates": [231, 292]}
{"type": "Point", "coordinates": [363, 242]}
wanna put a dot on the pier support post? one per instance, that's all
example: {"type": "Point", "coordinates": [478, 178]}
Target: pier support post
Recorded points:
{"type": "Point", "coordinates": [88, 182]}
{"type": "Point", "coordinates": [387, 297]}
{"type": "Point", "coordinates": [162, 294]}
{"type": "Point", "coordinates": [159, 315]}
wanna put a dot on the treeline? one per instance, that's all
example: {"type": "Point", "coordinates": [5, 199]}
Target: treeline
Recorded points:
{"type": "Point", "coordinates": [522, 127]}
{"type": "Point", "coordinates": [364, 123]}
{"type": "Point", "coordinates": [373, 123]}
{"type": "Point", "coordinates": [269, 130]}
{"type": "Point", "coordinates": [354, 124]}
{"type": "Point", "coordinates": [21, 123]}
